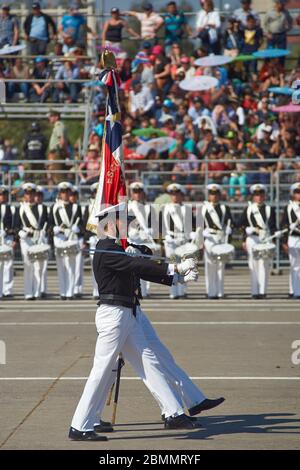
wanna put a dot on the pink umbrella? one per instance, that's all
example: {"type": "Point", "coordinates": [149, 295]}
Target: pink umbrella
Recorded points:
{"type": "Point", "coordinates": [213, 60]}
{"type": "Point", "coordinates": [287, 108]}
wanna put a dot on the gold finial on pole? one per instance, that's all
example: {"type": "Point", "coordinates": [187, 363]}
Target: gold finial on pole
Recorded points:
{"type": "Point", "coordinates": [108, 60]}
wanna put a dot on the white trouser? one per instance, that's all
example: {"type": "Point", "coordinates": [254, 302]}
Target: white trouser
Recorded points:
{"type": "Point", "coordinates": [1, 277]}
{"type": "Point", "coordinates": [8, 274]}
{"type": "Point", "coordinates": [177, 289]}
{"type": "Point", "coordinates": [259, 268]}
{"type": "Point", "coordinates": [118, 330]}
{"type": "Point", "coordinates": [32, 271]}
{"type": "Point", "coordinates": [214, 269]}
{"type": "Point", "coordinates": [65, 270]}
{"type": "Point", "coordinates": [92, 246]}
{"type": "Point", "coordinates": [44, 280]}
{"type": "Point", "coordinates": [79, 264]}
{"type": "Point", "coordinates": [294, 256]}
{"type": "Point", "coordinates": [181, 385]}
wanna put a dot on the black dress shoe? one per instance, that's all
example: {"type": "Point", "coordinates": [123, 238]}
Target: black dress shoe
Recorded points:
{"type": "Point", "coordinates": [78, 296]}
{"type": "Point", "coordinates": [255, 297]}
{"type": "Point", "coordinates": [103, 427]}
{"type": "Point", "coordinates": [63, 297]}
{"type": "Point", "coordinates": [191, 418]}
{"type": "Point", "coordinates": [43, 295]}
{"type": "Point", "coordinates": [213, 297]}
{"type": "Point", "coordinates": [179, 422]}
{"type": "Point", "coordinates": [206, 404]}
{"type": "Point", "coordinates": [7, 296]}
{"type": "Point", "coordinates": [75, 435]}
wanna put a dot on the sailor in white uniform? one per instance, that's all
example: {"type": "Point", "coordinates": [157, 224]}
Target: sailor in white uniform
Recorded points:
{"type": "Point", "coordinates": [65, 219]}
{"type": "Point", "coordinates": [140, 230]}
{"type": "Point", "coordinates": [39, 199]}
{"type": "Point", "coordinates": [30, 224]}
{"type": "Point", "coordinates": [291, 220]}
{"type": "Point", "coordinates": [78, 289]}
{"type": "Point", "coordinates": [6, 238]}
{"type": "Point", "coordinates": [89, 237]}
{"type": "Point", "coordinates": [217, 228]}
{"type": "Point", "coordinates": [174, 224]}
{"type": "Point", "coordinates": [259, 223]}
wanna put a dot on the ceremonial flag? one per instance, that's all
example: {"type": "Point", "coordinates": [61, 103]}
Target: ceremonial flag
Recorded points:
{"type": "Point", "coordinates": [111, 189]}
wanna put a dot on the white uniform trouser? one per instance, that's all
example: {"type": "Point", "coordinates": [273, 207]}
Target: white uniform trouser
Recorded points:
{"type": "Point", "coordinates": [294, 256]}
{"type": "Point", "coordinates": [259, 268]}
{"type": "Point", "coordinates": [8, 274]}
{"type": "Point", "coordinates": [1, 277]}
{"type": "Point", "coordinates": [32, 271]}
{"type": "Point", "coordinates": [92, 246]}
{"type": "Point", "coordinates": [181, 385]}
{"type": "Point", "coordinates": [176, 289]}
{"type": "Point", "coordinates": [66, 271]}
{"type": "Point", "coordinates": [214, 270]}
{"type": "Point", "coordinates": [118, 330]}
{"type": "Point", "coordinates": [79, 264]}
{"type": "Point", "coordinates": [44, 280]}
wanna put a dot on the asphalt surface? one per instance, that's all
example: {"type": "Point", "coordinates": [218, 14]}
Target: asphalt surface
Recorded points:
{"type": "Point", "coordinates": [237, 347]}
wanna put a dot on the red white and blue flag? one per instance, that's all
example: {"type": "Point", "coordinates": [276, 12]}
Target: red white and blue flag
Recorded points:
{"type": "Point", "coordinates": [112, 189]}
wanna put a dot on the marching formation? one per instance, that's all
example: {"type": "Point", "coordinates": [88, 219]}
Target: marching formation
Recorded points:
{"type": "Point", "coordinates": [172, 230]}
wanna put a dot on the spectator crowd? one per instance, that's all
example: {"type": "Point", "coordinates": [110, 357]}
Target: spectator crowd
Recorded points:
{"type": "Point", "coordinates": [229, 134]}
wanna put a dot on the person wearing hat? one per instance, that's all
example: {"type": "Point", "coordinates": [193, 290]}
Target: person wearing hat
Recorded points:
{"type": "Point", "coordinates": [90, 238]}
{"type": "Point", "coordinates": [78, 288]}
{"type": "Point", "coordinates": [6, 238]}
{"type": "Point", "coordinates": [58, 147]}
{"type": "Point", "coordinates": [112, 30]}
{"type": "Point", "coordinates": [39, 30]}
{"type": "Point", "coordinates": [291, 221]}
{"type": "Point", "coordinates": [150, 22]}
{"type": "Point", "coordinates": [218, 224]}
{"type": "Point", "coordinates": [119, 327]}
{"type": "Point", "coordinates": [73, 27]}
{"type": "Point", "coordinates": [39, 199]}
{"type": "Point", "coordinates": [66, 224]}
{"type": "Point", "coordinates": [140, 231]}
{"type": "Point", "coordinates": [40, 90]}
{"type": "Point", "coordinates": [34, 148]}
{"type": "Point", "coordinates": [9, 27]}
{"type": "Point", "coordinates": [30, 225]}
{"type": "Point", "coordinates": [174, 227]}
{"type": "Point", "coordinates": [258, 222]}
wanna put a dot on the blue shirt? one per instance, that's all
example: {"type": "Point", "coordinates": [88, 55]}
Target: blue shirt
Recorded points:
{"type": "Point", "coordinates": [174, 26]}
{"type": "Point", "coordinates": [38, 28]}
{"type": "Point", "coordinates": [71, 25]}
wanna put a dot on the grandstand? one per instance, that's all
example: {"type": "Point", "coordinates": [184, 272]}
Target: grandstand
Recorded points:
{"type": "Point", "coordinates": [232, 136]}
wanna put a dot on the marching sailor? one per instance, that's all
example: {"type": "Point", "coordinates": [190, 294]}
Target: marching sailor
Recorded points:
{"type": "Point", "coordinates": [66, 223]}
{"type": "Point", "coordinates": [140, 230]}
{"type": "Point", "coordinates": [74, 196]}
{"type": "Point", "coordinates": [218, 223]}
{"type": "Point", "coordinates": [174, 220]}
{"type": "Point", "coordinates": [39, 199]}
{"type": "Point", "coordinates": [118, 277]}
{"type": "Point", "coordinates": [89, 237]}
{"type": "Point", "coordinates": [291, 220]}
{"type": "Point", "coordinates": [259, 223]}
{"type": "Point", "coordinates": [6, 244]}
{"type": "Point", "coordinates": [30, 224]}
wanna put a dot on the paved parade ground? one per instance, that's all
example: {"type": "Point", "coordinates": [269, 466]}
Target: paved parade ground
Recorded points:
{"type": "Point", "coordinates": [236, 347]}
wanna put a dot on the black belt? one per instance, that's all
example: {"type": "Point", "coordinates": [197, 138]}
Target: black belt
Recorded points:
{"type": "Point", "coordinates": [122, 300]}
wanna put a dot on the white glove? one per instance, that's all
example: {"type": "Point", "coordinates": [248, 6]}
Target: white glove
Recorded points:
{"type": "Point", "coordinates": [277, 234]}
{"type": "Point", "coordinates": [132, 251]}
{"type": "Point", "coordinates": [293, 226]}
{"type": "Point", "coordinates": [75, 229]}
{"type": "Point", "coordinates": [228, 230]}
{"type": "Point", "coordinates": [22, 234]}
{"type": "Point", "coordinates": [186, 266]}
{"type": "Point", "coordinates": [56, 230]}
{"type": "Point", "coordinates": [2, 233]}
{"type": "Point", "coordinates": [148, 232]}
{"type": "Point", "coordinates": [191, 276]}
{"type": "Point", "coordinates": [169, 238]}
{"type": "Point", "coordinates": [193, 236]}
{"type": "Point", "coordinates": [250, 230]}
{"type": "Point", "coordinates": [206, 232]}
